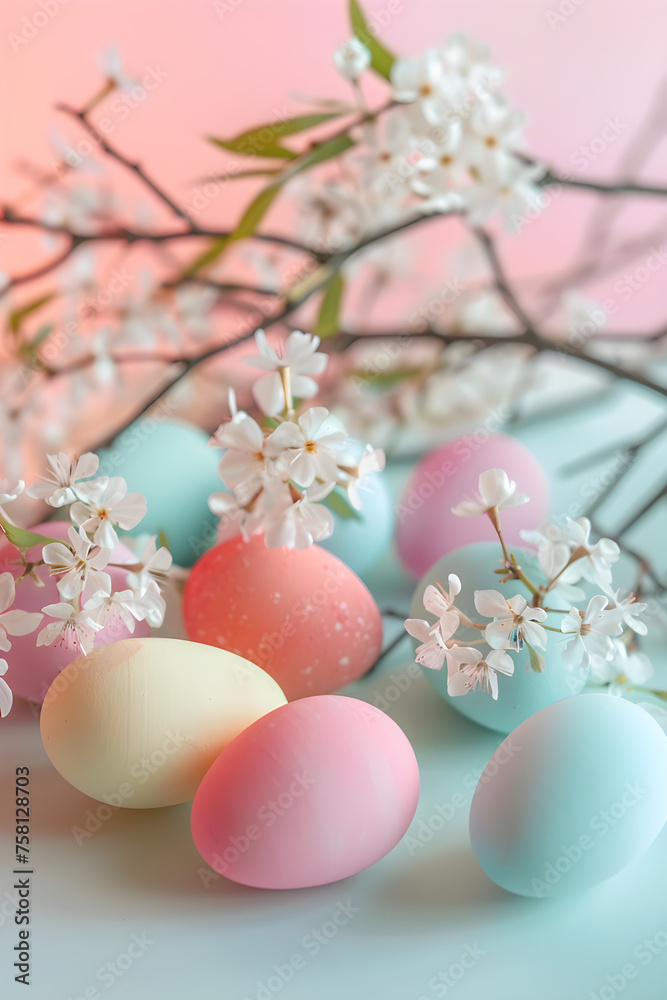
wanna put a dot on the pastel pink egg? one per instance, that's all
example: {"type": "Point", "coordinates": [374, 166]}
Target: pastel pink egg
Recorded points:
{"type": "Point", "coordinates": [33, 668]}
{"type": "Point", "coordinates": [427, 529]}
{"type": "Point", "coordinates": [313, 792]}
{"type": "Point", "coordinates": [303, 617]}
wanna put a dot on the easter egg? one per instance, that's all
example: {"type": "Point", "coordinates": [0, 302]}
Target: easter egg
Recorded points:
{"type": "Point", "coordinates": [427, 529]}
{"type": "Point", "coordinates": [172, 465]}
{"type": "Point", "coordinates": [32, 668]}
{"type": "Point", "coordinates": [359, 541]}
{"type": "Point", "coordinates": [304, 617]}
{"type": "Point", "coordinates": [525, 691]}
{"type": "Point", "coordinates": [574, 795]}
{"type": "Point", "coordinates": [311, 793]}
{"type": "Point", "coordinates": [138, 723]}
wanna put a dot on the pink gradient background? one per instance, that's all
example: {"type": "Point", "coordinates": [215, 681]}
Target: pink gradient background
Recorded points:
{"type": "Point", "coordinates": [228, 73]}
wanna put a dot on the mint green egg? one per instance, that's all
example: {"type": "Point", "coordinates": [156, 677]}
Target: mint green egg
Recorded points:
{"type": "Point", "coordinates": [574, 795]}
{"type": "Point", "coordinates": [176, 470]}
{"type": "Point", "coordinates": [360, 541]}
{"type": "Point", "coordinates": [525, 692]}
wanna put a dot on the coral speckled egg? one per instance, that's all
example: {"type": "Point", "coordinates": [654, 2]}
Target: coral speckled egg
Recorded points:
{"type": "Point", "coordinates": [32, 668]}
{"type": "Point", "coordinates": [524, 692]}
{"type": "Point", "coordinates": [139, 722]}
{"type": "Point", "coordinates": [574, 795]}
{"type": "Point", "coordinates": [311, 793]}
{"type": "Point", "coordinates": [304, 617]}
{"type": "Point", "coordinates": [427, 529]}
{"type": "Point", "coordinates": [176, 470]}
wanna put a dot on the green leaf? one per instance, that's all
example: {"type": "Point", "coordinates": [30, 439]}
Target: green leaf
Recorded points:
{"type": "Point", "coordinates": [239, 175]}
{"type": "Point", "coordinates": [253, 143]}
{"type": "Point", "coordinates": [381, 59]}
{"type": "Point", "coordinates": [386, 380]}
{"type": "Point", "coordinates": [21, 538]}
{"type": "Point", "coordinates": [321, 152]}
{"type": "Point", "coordinates": [42, 335]}
{"type": "Point", "coordinates": [239, 145]}
{"type": "Point", "coordinates": [536, 660]}
{"type": "Point", "coordinates": [338, 504]}
{"type": "Point", "coordinates": [250, 220]}
{"type": "Point", "coordinates": [328, 320]}
{"type": "Point", "coordinates": [163, 540]}
{"type": "Point", "coordinates": [257, 208]}
{"type": "Point", "coordinates": [17, 317]}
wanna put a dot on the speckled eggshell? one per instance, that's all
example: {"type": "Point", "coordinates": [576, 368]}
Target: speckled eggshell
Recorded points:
{"type": "Point", "coordinates": [176, 470]}
{"type": "Point", "coordinates": [427, 529]}
{"type": "Point", "coordinates": [310, 794]}
{"type": "Point", "coordinates": [574, 795]}
{"type": "Point", "coordinates": [304, 617]}
{"type": "Point", "coordinates": [32, 668]}
{"type": "Point", "coordinates": [360, 541]}
{"type": "Point", "coordinates": [138, 723]}
{"type": "Point", "coordinates": [525, 692]}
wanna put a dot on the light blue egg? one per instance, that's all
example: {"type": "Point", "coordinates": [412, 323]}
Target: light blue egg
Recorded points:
{"type": "Point", "coordinates": [574, 795]}
{"type": "Point", "coordinates": [176, 470]}
{"type": "Point", "coordinates": [526, 691]}
{"type": "Point", "coordinates": [360, 542]}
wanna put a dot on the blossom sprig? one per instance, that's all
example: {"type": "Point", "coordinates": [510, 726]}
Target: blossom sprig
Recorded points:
{"type": "Point", "coordinates": [279, 473]}
{"type": "Point", "coordinates": [597, 636]}
{"type": "Point", "coordinates": [448, 140]}
{"type": "Point", "coordinates": [98, 506]}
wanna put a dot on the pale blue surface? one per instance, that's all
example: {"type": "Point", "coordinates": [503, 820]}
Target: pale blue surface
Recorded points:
{"type": "Point", "coordinates": [419, 909]}
{"type": "Point", "coordinates": [174, 468]}
{"type": "Point", "coordinates": [574, 795]}
{"type": "Point", "coordinates": [524, 692]}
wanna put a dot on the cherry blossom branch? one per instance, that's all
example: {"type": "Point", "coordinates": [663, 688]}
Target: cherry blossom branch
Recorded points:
{"type": "Point", "coordinates": [500, 279]}
{"type": "Point", "coordinates": [133, 166]}
{"type": "Point", "coordinates": [530, 338]}
{"type": "Point", "coordinates": [602, 187]}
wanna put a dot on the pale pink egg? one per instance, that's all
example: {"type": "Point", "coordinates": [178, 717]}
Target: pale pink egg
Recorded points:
{"type": "Point", "coordinates": [304, 617]}
{"type": "Point", "coordinates": [33, 668]}
{"type": "Point", "coordinates": [427, 529]}
{"type": "Point", "coordinates": [311, 793]}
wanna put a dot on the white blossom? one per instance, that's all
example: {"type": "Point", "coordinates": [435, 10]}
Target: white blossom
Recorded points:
{"type": "Point", "coordinates": [155, 565]}
{"type": "Point", "coordinates": [58, 488]}
{"type": "Point", "coordinates": [372, 460]}
{"type": "Point", "coordinates": [77, 565]}
{"type": "Point", "coordinates": [6, 696]}
{"type": "Point", "coordinates": [112, 66]}
{"type": "Point", "coordinates": [112, 610]}
{"type": "Point", "coordinates": [8, 492]}
{"type": "Point", "coordinates": [591, 631]}
{"type": "Point", "coordinates": [300, 356]}
{"type": "Point", "coordinates": [307, 449]}
{"type": "Point", "coordinates": [107, 504]}
{"type": "Point", "coordinates": [244, 462]}
{"type": "Point", "coordinates": [467, 671]}
{"type": "Point", "coordinates": [623, 671]}
{"type": "Point", "coordinates": [296, 524]}
{"type": "Point", "coordinates": [13, 622]}
{"type": "Point", "coordinates": [626, 611]}
{"type": "Point", "coordinates": [351, 59]}
{"type": "Point", "coordinates": [495, 489]}
{"type": "Point", "coordinates": [70, 629]}
{"type": "Point", "coordinates": [431, 652]}
{"type": "Point", "coordinates": [514, 621]}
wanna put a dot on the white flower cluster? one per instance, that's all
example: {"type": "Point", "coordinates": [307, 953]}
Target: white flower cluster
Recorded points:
{"type": "Point", "coordinates": [449, 141]}
{"type": "Point", "coordinates": [598, 631]}
{"type": "Point", "coordinates": [97, 507]}
{"type": "Point", "coordinates": [278, 475]}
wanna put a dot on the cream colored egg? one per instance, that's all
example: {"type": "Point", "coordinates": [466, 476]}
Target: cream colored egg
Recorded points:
{"type": "Point", "coordinates": [138, 723]}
